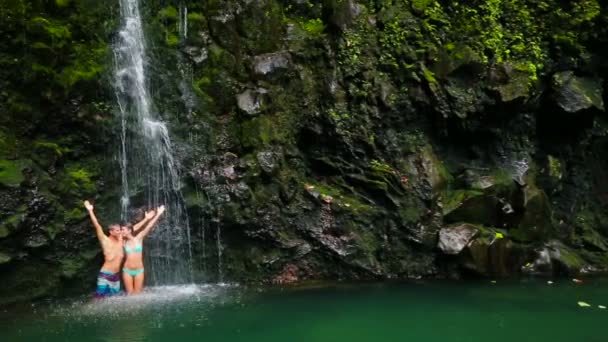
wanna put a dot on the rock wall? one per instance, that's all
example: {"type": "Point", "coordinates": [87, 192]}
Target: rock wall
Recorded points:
{"type": "Point", "coordinates": [326, 140]}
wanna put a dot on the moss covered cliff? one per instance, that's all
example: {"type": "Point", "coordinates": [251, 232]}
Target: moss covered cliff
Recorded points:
{"type": "Point", "coordinates": [335, 139]}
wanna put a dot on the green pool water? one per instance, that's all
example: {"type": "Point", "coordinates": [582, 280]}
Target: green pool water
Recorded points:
{"type": "Point", "coordinates": [526, 310]}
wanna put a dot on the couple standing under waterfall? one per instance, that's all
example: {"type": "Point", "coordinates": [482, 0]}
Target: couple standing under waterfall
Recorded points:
{"type": "Point", "coordinates": [123, 243]}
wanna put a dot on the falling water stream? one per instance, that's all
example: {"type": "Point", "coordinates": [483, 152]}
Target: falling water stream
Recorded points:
{"type": "Point", "coordinates": [148, 169]}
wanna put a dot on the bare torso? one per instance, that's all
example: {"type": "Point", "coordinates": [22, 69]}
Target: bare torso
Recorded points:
{"type": "Point", "coordinates": [113, 254]}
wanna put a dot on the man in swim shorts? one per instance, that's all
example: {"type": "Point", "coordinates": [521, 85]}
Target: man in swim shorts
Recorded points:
{"type": "Point", "coordinates": [108, 279]}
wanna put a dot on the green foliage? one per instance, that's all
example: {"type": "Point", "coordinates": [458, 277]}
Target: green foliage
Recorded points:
{"type": "Point", "coordinates": [169, 13]}
{"type": "Point", "coordinates": [411, 213]}
{"type": "Point", "coordinates": [77, 181]}
{"type": "Point", "coordinates": [555, 167]}
{"type": "Point", "coordinates": [421, 5]}
{"type": "Point", "coordinates": [453, 198]}
{"type": "Point", "coordinates": [340, 197]}
{"type": "Point", "coordinates": [381, 167]}
{"type": "Point", "coordinates": [58, 34]}
{"type": "Point", "coordinates": [351, 48]}
{"type": "Point", "coordinates": [585, 11]}
{"type": "Point", "coordinates": [196, 17]}
{"type": "Point", "coordinates": [10, 172]}
{"type": "Point", "coordinates": [428, 75]}
{"type": "Point", "coordinates": [8, 144]}
{"type": "Point", "coordinates": [314, 26]}
{"type": "Point", "coordinates": [263, 131]}
{"type": "Point", "coordinates": [171, 39]}
{"type": "Point", "coordinates": [87, 66]}
{"type": "Point", "coordinates": [62, 3]}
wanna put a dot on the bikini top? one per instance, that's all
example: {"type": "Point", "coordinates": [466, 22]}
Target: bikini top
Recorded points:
{"type": "Point", "coordinates": [138, 249]}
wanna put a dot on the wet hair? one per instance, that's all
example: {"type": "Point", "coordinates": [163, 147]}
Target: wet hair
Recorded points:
{"type": "Point", "coordinates": [114, 226]}
{"type": "Point", "coordinates": [127, 225]}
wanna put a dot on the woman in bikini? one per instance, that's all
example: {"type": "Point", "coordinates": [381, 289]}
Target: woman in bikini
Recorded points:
{"type": "Point", "coordinates": [133, 268]}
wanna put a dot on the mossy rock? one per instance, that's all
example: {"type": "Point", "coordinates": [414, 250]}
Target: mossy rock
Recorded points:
{"type": "Point", "coordinates": [5, 258]}
{"type": "Point", "coordinates": [71, 266]}
{"type": "Point", "coordinates": [593, 240]}
{"type": "Point", "coordinates": [8, 144]}
{"type": "Point", "coordinates": [497, 183]}
{"type": "Point", "coordinates": [10, 224]}
{"type": "Point", "coordinates": [437, 173]}
{"type": "Point", "coordinates": [566, 259]}
{"type": "Point", "coordinates": [337, 197]}
{"type": "Point", "coordinates": [490, 254]}
{"type": "Point", "coordinates": [4, 231]}
{"type": "Point", "coordinates": [471, 206]}
{"type": "Point", "coordinates": [47, 153]}
{"type": "Point", "coordinates": [536, 223]}
{"type": "Point", "coordinates": [513, 83]}
{"type": "Point", "coordinates": [262, 131]}
{"type": "Point", "coordinates": [573, 93]}
{"type": "Point", "coordinates": [27, 282]}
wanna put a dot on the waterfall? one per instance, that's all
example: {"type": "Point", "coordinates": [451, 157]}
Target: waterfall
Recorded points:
{"type": "Point", "coordinates": [183, 21]}
{"type": "Point", "coordinates": [203, 253]}
{"type": "Point", "coordinates": [218, 242]}
{"type": "Point", "coordinates": [148, 169]}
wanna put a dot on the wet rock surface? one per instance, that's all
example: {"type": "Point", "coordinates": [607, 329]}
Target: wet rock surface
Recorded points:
{"type": "Point", "coordinates": [452, 240]}
{"type": "Point", "coordinates": [573, 93]}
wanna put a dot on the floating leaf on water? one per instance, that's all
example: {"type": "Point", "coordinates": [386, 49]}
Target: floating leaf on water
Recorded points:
{"type": "Point", "coordinates": [549, 282]}
{"type": "Point", "coordinates": [601, 307]}
{"type": "Point", "coordinates": [493, 281]}
{"type": "Point", "coordinates": [499, 235]}
{"type": "Point", "coordinates": [583, 304]}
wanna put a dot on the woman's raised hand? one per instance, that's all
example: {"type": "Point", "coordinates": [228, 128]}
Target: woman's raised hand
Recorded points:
{"type": "Point", "coordinates": [150, 214]}
{"type": "Point", "coordinates": [160, 210]}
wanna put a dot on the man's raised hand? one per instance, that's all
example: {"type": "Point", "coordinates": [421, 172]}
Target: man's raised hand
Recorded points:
{"type": "Point", "coordinates": [88, 205]}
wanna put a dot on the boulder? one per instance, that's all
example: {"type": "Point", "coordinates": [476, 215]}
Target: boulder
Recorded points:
{"type": "Point", "coordinates": [250, 101]}
{"type": "Point", "coordinates": [573, 93]}
{"type": "Point", "coordinates": [196, 54]}
{"type": "Point", "coordinates": [269, 62]}
{"type": "Point", "coordinates": [490, 256]}
{"type": "Point", "coordinates": [452, 240]}
{"type": "Point", "coordinates": [510, 82]}
{"type": "Point", "coordinates": [564, 259]}
{"type": "Point", "coordinates": [268, 161]}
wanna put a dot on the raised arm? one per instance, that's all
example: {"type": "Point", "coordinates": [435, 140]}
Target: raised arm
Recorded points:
{"type": "Point", "coordinates": [152, 222]}
{"type": "Point", "coordinates": [98, 229]}
{"type": "Point", "coordinates": [147, 217]}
